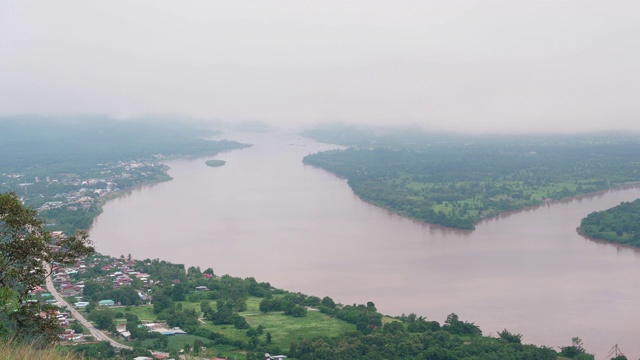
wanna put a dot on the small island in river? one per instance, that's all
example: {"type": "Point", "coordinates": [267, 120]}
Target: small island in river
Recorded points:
{"type": "Point", "coordinates": [215, 163]}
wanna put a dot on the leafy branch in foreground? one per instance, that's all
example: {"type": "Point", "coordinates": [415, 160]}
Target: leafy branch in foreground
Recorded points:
{"type": "Point", "coordinates": [27, 252]}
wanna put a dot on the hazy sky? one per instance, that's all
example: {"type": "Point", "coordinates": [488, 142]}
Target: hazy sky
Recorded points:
{"type": "Point", "coordinates": [467, 66]}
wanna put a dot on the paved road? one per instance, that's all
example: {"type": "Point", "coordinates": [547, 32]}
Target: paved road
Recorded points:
{"type": "Point", "coordinates": [97, 334]}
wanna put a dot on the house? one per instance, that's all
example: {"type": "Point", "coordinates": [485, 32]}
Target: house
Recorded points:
{"type": "Point", "coordinates": [81, 304]}
{"type": "Point", "coordinates": [164, 331]}
{"type": "Point", "coordinates": [106, 302]}
{"type": "Point", "coordinates": [202, 288]}
{"type": "Point", "coordinates": [171, 332]}
{"type": "Point", "coordinates": [122, 330]}
{"type": "Point", "coordinates": [274, 357]}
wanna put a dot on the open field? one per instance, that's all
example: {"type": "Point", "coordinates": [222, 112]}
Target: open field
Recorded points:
{"type": "Point", "coordinates": [283, 328]}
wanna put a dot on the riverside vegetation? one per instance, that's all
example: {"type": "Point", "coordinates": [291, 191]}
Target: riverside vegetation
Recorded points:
{"type": "Point", "coordinates": [230, 316]}
{"type": "Point", "coordinates": [458, 180]}
{"type": "Point", "coordinates": [243, 317]}
{"type": "Point", "coordinates": [620, 224]}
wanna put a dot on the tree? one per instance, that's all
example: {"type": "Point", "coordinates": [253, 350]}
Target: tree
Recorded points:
{"type": "Point", "coordinates": [510, 337]}
{"type": "Point", "coordinates": [328, 302]}
{"type": "Point", "coordinates": [197, 346]}
{"type": "Point", "coordinates": [454, 325]}
{"type": "Point", "coordinates": [103, 317]}
{"type": "Point", "coordinates": [575, 351]}
{"type": "Point", "coordinates": [91, 287]}
{"type": "Point", "coordinates": [239, 322]}
{"type": "Point", "coordinates": [77, 328]}
{"type": "Point", "coordinates": [299, 311]}
{"type": "Point", "coordinates": [161, 302]}
{"type": "Point", "coordinates": [206, 309]}
{"type": "Point", "coordinates": [240, 304]}
{"type": "Point", "coordinates": [27, 253]}
{"type": "Point", "coordinates": [393, 327]}
{"type": "Point", "coordinates": [265, 305]}
{"type": "Point", "coordinates": [194, 272]}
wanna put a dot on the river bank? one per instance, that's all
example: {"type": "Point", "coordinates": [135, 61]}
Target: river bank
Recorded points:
{"type": "Point", "coordinates": [103, 200]}
{"type": "Point", "coordinates": [529, 272]}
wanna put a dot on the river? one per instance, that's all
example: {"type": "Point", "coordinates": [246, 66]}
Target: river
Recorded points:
{"type": "Point", "coordinates": [265, 214]}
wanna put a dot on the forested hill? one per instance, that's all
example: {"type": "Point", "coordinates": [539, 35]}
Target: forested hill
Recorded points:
{"type": "Point", "coordinates": [76, 143]}
{"type": "Point", "coordinates": [620, 224]}
{"type": "Point", "coordinates": [456, 181]}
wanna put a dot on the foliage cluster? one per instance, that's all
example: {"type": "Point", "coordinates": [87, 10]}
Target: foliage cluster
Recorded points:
{"type": "Point", "coordinates": [215, 163]}
{"type": "Point", "coordinates": [27, 252]}
{"type": "Point", "coordinates": [620, 224]}
{"type": "Point", "coordinates": [456, 181]}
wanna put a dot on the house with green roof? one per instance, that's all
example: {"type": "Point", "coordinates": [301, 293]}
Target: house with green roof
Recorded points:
{"type": "Point", "coordinates": [106, 302]}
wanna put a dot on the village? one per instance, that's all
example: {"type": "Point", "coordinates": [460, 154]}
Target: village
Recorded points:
{"type": "Point", "coordinates": [67, 293]}
{"type": "Point", "coordinates": [74, 192]}
{"type": "Point", "coordinates": [89, 316]}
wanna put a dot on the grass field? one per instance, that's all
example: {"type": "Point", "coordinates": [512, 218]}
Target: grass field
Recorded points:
{"type": "Point", "coordinates": [143, 312]}
{"type": "Point", "coordinates": [283, 328]}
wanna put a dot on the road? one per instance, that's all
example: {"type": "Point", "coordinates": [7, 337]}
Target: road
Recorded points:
{"type": "Point", "coordinates": [97, 334]}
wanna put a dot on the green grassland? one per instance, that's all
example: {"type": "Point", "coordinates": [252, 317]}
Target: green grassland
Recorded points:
{"type": "Point", "coordinates": [283, 328]}
{"type": "Point", "coordinates": [143, 312]}
{"type": "Point", "coordinates": [178, 342]}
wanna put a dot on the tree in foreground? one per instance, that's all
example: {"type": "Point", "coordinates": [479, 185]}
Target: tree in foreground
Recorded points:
{"type": "Point", "coordinates": [27, 253]}
{"type": "Point", "coordinates": [576, 350]}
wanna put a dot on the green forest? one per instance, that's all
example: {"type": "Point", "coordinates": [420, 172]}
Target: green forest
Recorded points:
{"type": "Point", "coordinates": [456, 181]}
{"type": "Point", "coordinates": [620, 224]}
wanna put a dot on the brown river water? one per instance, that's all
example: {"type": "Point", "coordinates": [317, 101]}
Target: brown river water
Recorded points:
{"type": "Point", "coordinates": [266, 215]}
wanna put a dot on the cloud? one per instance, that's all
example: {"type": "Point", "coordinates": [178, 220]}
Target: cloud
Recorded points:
{"type": "Point", "coordinates": [466, 66]}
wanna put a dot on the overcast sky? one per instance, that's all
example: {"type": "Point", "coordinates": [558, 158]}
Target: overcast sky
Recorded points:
{"type": "Point", "coordinates": [466, 66]}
